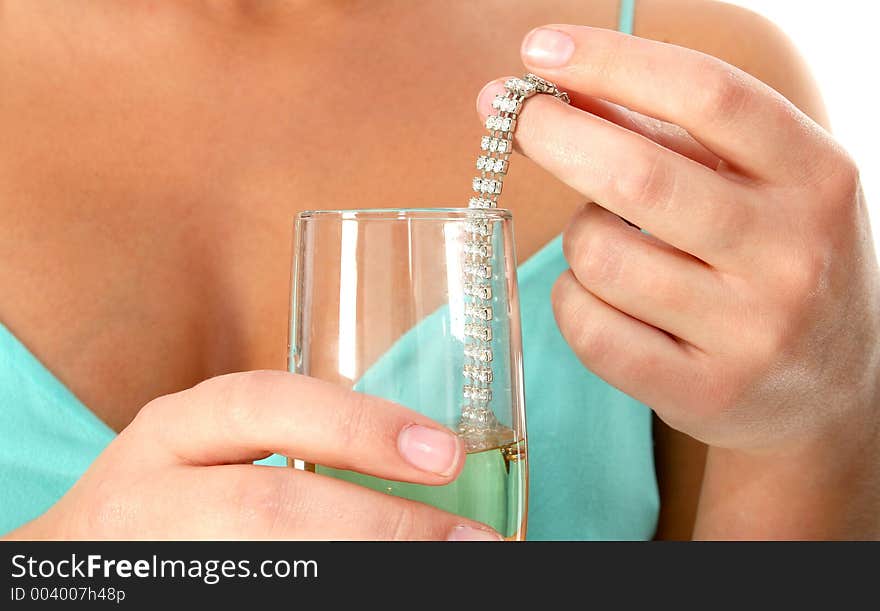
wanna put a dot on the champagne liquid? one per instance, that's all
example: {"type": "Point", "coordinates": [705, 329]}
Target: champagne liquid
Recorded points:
{"type": "Point", "coordinates": [490, 489]}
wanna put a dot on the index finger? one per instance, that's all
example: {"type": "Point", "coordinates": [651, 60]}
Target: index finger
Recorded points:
{"type": "Point", "coordinates": [733, 114]}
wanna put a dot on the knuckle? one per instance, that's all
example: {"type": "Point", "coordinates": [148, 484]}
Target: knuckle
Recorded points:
{"type": "Point", "coordinates": [264, 507]}
{"type": "Point", "coordinates": [590, 341]}
{"type": "Point", "coordinates": [732, 221]}
{"type": "Point", "coordinates": [600, 259]}
{"type": "Point", "coordinates": [400, 524]}
{"type": "Point", "coordinates": [156, 409]}
{"type": "Point", "coordinates": [564, 298]}
{"type": "Point", "coordinates": [665, 292]}
{"type": "Point", "coordinates": [559, 296]}
{"type": "Point", "coordinates": [722, 92]}
{"type": "Point", "coordinates": [156, 417]}
{"type": "Point", "coordinates": [649, 181]}
{"type": "Point", "coordinates": [842, 188]}
{"type": "Point", "coordinates": [236, 400]}
{"type": "Point", "coordinates": [150, 414]}
{"type": "Point", "coordinates": [355, 422]}
{"type": "Point", "coordinates": [587, 339]}
{"type": "Point", "coordinates": [804, 277]}
{"type": "Point", "coordinates": [573, 234]}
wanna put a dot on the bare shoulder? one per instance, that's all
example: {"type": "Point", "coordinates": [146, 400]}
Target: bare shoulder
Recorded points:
{"type": "Point", "coordinates": [738, 36]}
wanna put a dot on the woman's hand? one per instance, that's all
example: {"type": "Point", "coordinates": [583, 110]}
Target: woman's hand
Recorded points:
{"type": "Point", "coordinates": [182, 468]}
{"type": "Point", "coordinates": [749, 318]}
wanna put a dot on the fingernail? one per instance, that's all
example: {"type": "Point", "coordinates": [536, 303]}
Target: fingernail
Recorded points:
{"type": "Point", "coordinates": [429, 449]}
{"type": "Point", "coordinates": [467, 533]}
{"type": "Point", "coordinates": [486, 95]}
{"type": "Point", "coordinates": [547, 48]}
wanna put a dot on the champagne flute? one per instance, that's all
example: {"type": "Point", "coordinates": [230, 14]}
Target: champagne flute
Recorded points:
{"type": "Point", "coordinates": [420, 307]}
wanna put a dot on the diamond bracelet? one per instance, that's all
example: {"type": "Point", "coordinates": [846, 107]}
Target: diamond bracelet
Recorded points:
{"type": "Point", "coordinates": [478, 423]}
{"type": "Point", "coordinates": [498, 145]}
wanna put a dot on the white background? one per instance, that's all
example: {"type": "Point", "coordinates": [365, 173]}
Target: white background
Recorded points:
{"type": "Point", "coordinates": [841, 42]}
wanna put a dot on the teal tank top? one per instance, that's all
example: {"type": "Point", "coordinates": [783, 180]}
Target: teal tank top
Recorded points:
{"type": "Point", "coordinates": [590, 446]}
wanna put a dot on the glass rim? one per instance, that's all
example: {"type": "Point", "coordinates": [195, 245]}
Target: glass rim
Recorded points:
{"type": "Point", "coordinates": [398, 214]}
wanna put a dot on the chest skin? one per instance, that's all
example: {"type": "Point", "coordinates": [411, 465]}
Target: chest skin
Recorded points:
{"type": "Point", "coordinates": [154, 156]}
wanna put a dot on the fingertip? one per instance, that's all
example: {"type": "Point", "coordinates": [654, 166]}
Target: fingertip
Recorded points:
{"type": "Point", "coordinates": [437, 451]}
{"type": "Point", "coordinates": [467, 532]}
{"type": "Point", "coordinates": [487, 94]}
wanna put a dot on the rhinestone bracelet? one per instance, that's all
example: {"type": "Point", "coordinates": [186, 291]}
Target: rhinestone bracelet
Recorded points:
{"type": "Point", "coordinates": [478, 425]}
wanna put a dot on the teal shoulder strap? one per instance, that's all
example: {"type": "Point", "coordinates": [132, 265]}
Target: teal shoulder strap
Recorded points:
{"type": "Point", "coordinates": [627, 16]}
